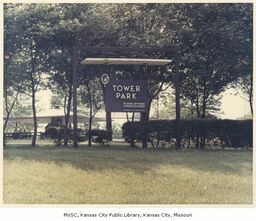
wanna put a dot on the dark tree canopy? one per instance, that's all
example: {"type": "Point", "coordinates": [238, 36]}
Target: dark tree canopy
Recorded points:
{"type": "Point", "coordinates": [214, 41]}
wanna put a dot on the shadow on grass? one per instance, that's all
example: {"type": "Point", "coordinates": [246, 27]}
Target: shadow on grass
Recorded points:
{"type": "Point", "coordinates": [121, 156]}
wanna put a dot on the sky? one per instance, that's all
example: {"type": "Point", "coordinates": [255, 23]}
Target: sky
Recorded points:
{"type": "Point", "coordinates": [233, 106]}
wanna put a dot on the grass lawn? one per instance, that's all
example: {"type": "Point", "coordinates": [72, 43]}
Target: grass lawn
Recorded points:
{"type": "Point", "coordinates": [119, 174]}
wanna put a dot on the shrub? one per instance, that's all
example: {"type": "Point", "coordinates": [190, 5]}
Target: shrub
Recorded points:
{"type": "Point", "coordinates": [100, 136]}
{"type": "Point", "coordinates": [155, 132]}
{"type": "Point", "coordinates": [201, 133]}
{"type": "Point", "coordinates": [58, 133]}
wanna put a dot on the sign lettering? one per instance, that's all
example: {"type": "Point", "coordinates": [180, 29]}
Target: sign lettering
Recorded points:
{"type": "Point", "coordinates": [125, 96]}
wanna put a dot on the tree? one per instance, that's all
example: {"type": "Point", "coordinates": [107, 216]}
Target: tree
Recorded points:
{"type": "Point", "coordinates": [212, 46]}
{"type": "Point", "coordinates": [211, 50]}
{"type": "Point", "coordinates": [188, 111]}
{"type": "Point", "coordinates": [12, 63]}
{"type": "Point", "coordinates": [214, 41]}
{"type": "Point", "coordinates": [91, 97]}
{"type": "Point", "coordinates": [73, 25]}
{"type": "Point", "coordinates": [245, 85]}
{"type": "Point", "coordinates": [244, 64]}
{"type": "Point", "coordinates": [33, 54]}
{"type": "Point", "coordinates": [22, 108]}
{"type": "Point", "coordinates": [60, 82]}
{"type": "Point", "coordinates": [209, 37]}
{"type": "Point", "coordinates": [141, 26]}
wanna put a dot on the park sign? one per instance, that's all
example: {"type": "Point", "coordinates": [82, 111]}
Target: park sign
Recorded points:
{"type": "Point", "coordinates": [125, 95]}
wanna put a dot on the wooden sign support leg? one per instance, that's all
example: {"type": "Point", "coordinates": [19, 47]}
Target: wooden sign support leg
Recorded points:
{"type": "Point", "coordinates": [109, 124]}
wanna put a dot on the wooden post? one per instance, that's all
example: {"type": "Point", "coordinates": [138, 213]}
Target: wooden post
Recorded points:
{"type": "Point", "coordinates": [74, 63]}
{"type": "Point", "coordinates": [109, 124]}
{"type": "Point", "coordinates": [177, 99]}
{"type": "Point", "coordinates": [143, 118]}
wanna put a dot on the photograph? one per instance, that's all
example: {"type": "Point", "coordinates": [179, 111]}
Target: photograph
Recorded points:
{"type": "Point", "coordinates": [127, 104]}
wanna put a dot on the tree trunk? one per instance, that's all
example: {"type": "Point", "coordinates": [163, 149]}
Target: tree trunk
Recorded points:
{"type": "Point", "coordinates": [198, 116]}
{"type": "Point", "coordinates": [202, 143]}
{"type": "Point", "coordinates": [9, 111]}
{"type": "Point", "coordinates": [188, 143]}
{"type": "Point", "coordinates": [90, 118]}
{"type": "Point", "coordinates": [127, 117]}
{"type": "Point", "coordinates": [33, 52]}
{"type": "Point", "coordinates": [74, 81]}
{"type": "Point", "coordinates": [34, 112]}
{"type": "Point", "coordinates": [197, 104]}
{"type": "Point", "coordinates": [251, 94]}
{"type": "Point", "coordinates": [67, 116]}
{"type": "Point", "coordinates": [204, 105]}
{"type": "Point", "coordinates": [147, 112]}
{"type": "Point", "coordinates": [144, 116]}
{"type": "Point", "coordinates": [251, 104]}
{"type": "Point", "coordinates": [197, 141]}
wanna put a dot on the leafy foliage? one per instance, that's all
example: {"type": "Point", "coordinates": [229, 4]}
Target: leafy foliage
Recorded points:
{"type": "Point", "coordinates": [101, 137]}
{"type": "Point", "coordinates": [225, 133]}
{"type": "Point", "coordinates": [57, 134]}
{"type": "Point", "coordinates": [212, 46]}
{"type": "Point", "coordinates": [214, 42]}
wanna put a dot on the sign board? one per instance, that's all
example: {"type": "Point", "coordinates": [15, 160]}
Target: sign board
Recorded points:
{"type": "Point", "coordinates": [125, 96]}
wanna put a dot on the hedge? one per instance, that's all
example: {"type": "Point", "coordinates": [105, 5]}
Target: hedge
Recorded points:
{"type": "Point", "coordinates": [195, 133]}
{"type": "Point", "coordinates": [57, 135]}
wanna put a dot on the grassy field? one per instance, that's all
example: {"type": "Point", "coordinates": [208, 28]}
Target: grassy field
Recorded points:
{"type": "Point", "coordinates": [119, 174]}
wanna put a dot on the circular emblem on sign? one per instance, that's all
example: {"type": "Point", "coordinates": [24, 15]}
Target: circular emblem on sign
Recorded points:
{"type": "Point", "coordinates": [104, 79]}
